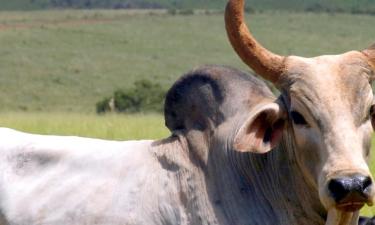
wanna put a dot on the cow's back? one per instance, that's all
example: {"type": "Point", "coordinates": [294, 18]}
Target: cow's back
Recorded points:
{"type": "Point", "coordinates": [73, 180]}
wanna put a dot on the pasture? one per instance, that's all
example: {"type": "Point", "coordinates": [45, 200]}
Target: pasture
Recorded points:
{"type": "Point", "coordinates": [55, 65]}
{"type": "Point", "coordinates": [69, 60]}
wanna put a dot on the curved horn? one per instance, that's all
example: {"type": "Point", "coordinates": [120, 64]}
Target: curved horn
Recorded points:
{"type": "Point", "coordinates": [263, 62]}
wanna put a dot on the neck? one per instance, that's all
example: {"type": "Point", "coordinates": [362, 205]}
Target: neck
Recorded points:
{"type": "Point", "coordinates": [264, 189]}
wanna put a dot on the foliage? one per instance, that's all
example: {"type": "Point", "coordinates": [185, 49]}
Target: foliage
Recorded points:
{"type": "Point", "coordinates": [103, 106]}
{"type": "Point", "coordinates": [145, 96]}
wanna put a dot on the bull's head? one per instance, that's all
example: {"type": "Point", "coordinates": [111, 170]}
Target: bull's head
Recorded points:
{"type": "Point", "coordinates": [328, 103]}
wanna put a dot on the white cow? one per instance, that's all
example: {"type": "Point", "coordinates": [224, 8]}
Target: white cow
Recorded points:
{"type": "Point", "coordinates": [237, 155]}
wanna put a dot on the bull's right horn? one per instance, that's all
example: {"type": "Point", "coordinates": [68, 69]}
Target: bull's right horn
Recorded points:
{"type": "Point", "coordinates": [265, 63]}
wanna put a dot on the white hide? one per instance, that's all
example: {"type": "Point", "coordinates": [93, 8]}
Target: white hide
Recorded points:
{"type": "Point", "coordinates": [71, 180]}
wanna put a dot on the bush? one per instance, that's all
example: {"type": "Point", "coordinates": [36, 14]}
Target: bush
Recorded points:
{"type": "Point", "coordinates": [145, 96]}
{"type": "Point", "coordinates": [103, 106]}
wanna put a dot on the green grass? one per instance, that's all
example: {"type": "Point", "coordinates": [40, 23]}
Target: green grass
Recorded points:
{"type": "Point", "coordinates": [68, 60]}
{"type": "Point", "coordinates": [370, 211]}
{"type": "Point", "coordinates": [111, 126]}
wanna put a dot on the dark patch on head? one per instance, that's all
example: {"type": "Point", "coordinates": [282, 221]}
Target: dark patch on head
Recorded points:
{"type": "Point", "coordinates": [196, 100]}
{"type": "Point", "coordinates": [192, 101]}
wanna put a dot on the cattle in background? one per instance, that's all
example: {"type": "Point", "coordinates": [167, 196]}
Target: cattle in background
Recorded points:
{"type": "Point", "coordinates": [366, 221]}
{"type": "Point", "coordinates": [217, 167]}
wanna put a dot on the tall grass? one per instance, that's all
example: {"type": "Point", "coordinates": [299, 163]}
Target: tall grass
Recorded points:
{"type": "Point", "coordinates": [111, 126]}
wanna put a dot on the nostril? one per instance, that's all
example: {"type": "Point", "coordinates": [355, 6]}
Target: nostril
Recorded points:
{"type": "Point", "coordinates": [365, 182]}
{"type": "Point", "coordinates": [339, 188]}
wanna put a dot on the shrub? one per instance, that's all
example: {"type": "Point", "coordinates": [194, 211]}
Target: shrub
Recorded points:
{"type": "Point", "coordinates": [103, 106]}
{"type": "Point", "coordinates": [144, 96]}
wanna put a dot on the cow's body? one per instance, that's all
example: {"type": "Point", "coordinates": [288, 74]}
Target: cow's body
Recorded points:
{"type": "Point", "coordinates": [71, 180]}
{"type": "Point", "coordinates": [180, 180]}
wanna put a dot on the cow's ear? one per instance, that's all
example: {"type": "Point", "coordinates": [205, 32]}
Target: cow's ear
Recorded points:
{"type": "Point", "coordinates": [262, 131]}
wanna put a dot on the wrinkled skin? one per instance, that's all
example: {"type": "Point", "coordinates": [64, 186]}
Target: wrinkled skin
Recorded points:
{"type": "Point", "coordinates": [328, 103]}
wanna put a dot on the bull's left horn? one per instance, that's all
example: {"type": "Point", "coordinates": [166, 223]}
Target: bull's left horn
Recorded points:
{"type": "Point", "coordinates": [263, 62]}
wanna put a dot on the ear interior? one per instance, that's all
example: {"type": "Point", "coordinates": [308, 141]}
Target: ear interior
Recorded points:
{"type": "Point", "coordinates": [262, 131]}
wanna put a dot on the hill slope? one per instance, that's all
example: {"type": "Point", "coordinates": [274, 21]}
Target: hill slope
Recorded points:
{"type": "Point", "coordinates": [294, 5]}
{"type": "Point", "coordinates": [69, 60]}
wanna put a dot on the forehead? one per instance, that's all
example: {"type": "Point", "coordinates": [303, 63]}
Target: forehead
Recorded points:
{"type": "Point", "coordinates": [346, 75]}
{"type": "Point", "coordinates": [330, 86]}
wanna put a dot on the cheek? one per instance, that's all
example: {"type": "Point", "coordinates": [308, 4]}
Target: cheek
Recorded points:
{"type": "Point", "coordinates": [309, 150]}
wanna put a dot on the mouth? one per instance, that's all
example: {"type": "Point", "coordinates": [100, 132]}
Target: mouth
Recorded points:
{"type": "Point", "coordinates": [350, 206]}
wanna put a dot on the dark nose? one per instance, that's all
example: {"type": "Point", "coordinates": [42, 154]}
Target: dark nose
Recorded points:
{"type": "Point", "coordinates": [352, 188]}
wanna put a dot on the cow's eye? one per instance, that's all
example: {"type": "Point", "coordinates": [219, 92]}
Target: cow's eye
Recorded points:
{"type": "Point", "coordinates": [372, 115]}
{"type": "Point", "coordinates": [298, 118]}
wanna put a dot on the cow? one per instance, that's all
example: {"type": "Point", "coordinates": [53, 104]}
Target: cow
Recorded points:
{"type": "Point", "coordinates": [324, 116]}
{"type": "Point", "coordinates": [192, 177]}
{"type": "Point", "coordinates": [237, 155]}
{"type": "Point", "coordinates": [366, 221]}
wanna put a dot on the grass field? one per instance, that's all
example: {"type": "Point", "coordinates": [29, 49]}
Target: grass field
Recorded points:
{"type": "Point", "coordinates": [65, 61]}
{"type": "Point", "coordinates": [112, 126]}
{"type": "Point", "coordinates": [68, 60]}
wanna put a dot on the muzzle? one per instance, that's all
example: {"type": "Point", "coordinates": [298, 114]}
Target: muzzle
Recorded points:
{"type": "Point", "coordinates": [351, 192]}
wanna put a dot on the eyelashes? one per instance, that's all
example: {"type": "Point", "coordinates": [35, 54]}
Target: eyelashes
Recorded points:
{"type": "Point", "coordinates": [297, 118]}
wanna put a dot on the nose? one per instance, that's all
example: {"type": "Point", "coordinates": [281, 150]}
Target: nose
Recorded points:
{"type": "Point", "coordinates": [354, 189]}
